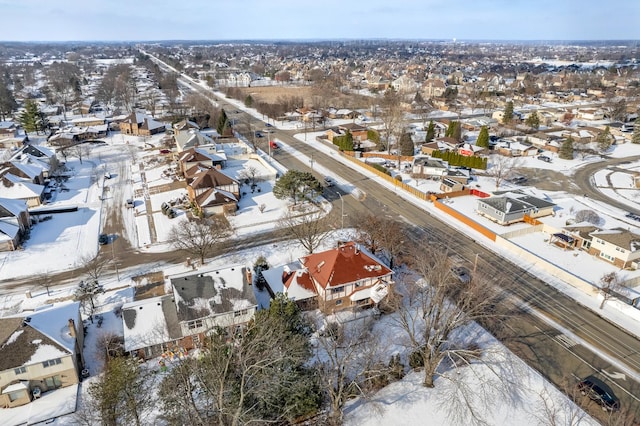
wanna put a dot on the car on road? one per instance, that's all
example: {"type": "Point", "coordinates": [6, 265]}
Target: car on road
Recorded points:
{"type": "Point", "coordinates": [518, 179]}
{"type": "Point", "coordinates": [461, 274]}
{"type": "Point", "coordinates": [328, 181]}
{"type": "Point", "coordinates": [599, 392]}
{"type": "Point", "coordinates": [269, 125]}
{"type": "Point", "coordinates": [107, 175]}
{"type": "Point", "coordinates": [259, 134]}
{"type": "Point", "coordinates": [273, 145]}
{"type": "Point", "coordinates": [544, 158]}
{"type": "Point", "coordinates": [130, 203]}
{"type": "Point", "coordinates": [103, 239]}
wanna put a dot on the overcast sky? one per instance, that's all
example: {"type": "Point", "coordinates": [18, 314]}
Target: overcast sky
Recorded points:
{"type": "Point", "coordinates": [61, 20]}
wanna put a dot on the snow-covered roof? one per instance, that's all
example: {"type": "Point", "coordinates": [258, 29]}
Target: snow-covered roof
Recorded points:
{"type": "Point", "coordinates": [15, 207]}
{"type": "Point", "coordinates": [146, 322]}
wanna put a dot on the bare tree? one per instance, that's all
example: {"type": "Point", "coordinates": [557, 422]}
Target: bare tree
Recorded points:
{"type": "Point", "coordinates": [549, 411]}
{"type": "Point", "coordinates": [392, 117]}
{"type": "Point", "coordinates": [588, 216]}
{"type": "Point", "coordinates": [441, 318]}
{"type": "Point", "coordinates": [610, 287]}
{"type": "Point", "coordinates": [199, 237]}
{"type": "Point", "coordinates": [81, 151]}
{"type": "Point", "coordinates": [380, 234]}
{"type": "Point", "coordinates": [249, 173]}
{"type": "Point", "coordinates": [310, 229]}
{"type": "Point", "coordinates": [349, 355]}
{"type": "Point", "coordinates": [501, 168]}
{"type": "Point", "coordinates": [44, 281]}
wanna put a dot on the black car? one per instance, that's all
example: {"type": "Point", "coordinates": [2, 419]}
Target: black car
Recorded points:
{"type": "Point", "coordinates": [544, 158]}
{"type": "Point", "coordinates": [103, 239]}
{"type": "Point", "coordinates": [599, 392]}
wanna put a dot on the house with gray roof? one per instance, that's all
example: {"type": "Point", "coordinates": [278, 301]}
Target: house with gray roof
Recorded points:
{"type": "Point", "coordinates": [40, 351]}
{"type": "Point", "coordinates": [618, 246]}
{"type": "Point", "coordinates": [211, 298]}
{"type": "Point", "coordinates": [150, 326]}
{"type": "Point", "coordinates": [512, 208]}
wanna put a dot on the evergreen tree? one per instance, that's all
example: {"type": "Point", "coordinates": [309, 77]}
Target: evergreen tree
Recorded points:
{"type": "Point", "coordinates": [223, 122]}
{"type": "Point", "coordinates": [30, 117]}
{"type": "Point", "coordinates": [457, 131]}
{"type": "Point", "coordinates": [604, 139]}
{"type": "Point", "coordinates": [508, 113]}
{"type": "Point", "coordinates": [450, 129]}
{"type": "Point", "coordinates": [260, 265]}
{"type": "Point", "coordinates": [347, 142]}
{"type": "Point", "coordinates": [406, 145]}
{"type": "Point", "coordinates": [566, 150]}
{"type": "Point", "coordinates": [636, 131]}
{"type": "Point", "coordinates": [483, 138]}
{"type": "Point", "coordinates": [431, 132]}
{"type": "Point", "coordinates": [296, 185]}
{"type": "Point", "coordinates": [533, 120]}
{"type": "Point", "coordinates": [248, 101]}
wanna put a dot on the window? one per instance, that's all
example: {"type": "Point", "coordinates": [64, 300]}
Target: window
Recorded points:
{"type": "Point", "coordinates": [16, 395]}
{"type": "Point", "coordinates": [20, 370]}
{"type": "Point", "coordinates": [337, 290]}
{"type": "Point", "coordinates": [52, 362]}
{"type": "Point", "coordinates": [606, 256]}
{"type": "Point", "coordinates": [240, 313]}
{"type": "Point", "coordinates": [194, 324]}
{"type": "Point", "coordinates": [338, 302]}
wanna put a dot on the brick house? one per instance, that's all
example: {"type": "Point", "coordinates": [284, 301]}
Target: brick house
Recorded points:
{"type": "Point", "coordinates": [345, 277]}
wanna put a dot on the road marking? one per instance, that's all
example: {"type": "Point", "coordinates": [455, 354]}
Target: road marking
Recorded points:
{"type": "Point", "coordinates": [565, 341]}
{"type": "Point", "coordinates": [615, 375]}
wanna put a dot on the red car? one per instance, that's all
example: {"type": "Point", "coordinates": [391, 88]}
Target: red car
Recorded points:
{"type": "Point", "coordinates": [273, 145]}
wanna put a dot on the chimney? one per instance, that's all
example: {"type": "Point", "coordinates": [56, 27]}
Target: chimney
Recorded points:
{"type": "Point", "coordinates": [72, 328]}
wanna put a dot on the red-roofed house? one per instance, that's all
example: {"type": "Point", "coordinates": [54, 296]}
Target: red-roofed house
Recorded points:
{"type": "Point", "coordinates": [341, 278]}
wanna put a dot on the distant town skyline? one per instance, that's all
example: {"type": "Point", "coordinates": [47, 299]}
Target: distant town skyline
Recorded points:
{"type": "Point", "coordinates": [140, 20]}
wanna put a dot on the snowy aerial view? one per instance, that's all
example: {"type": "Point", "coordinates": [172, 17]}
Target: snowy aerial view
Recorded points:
{"type": "Point", "coordinates": [346, 229]}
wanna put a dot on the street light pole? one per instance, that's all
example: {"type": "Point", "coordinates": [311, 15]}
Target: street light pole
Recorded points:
{"type": "Point", "coordinates": [341, 211]}
{"type": "Point", "coordinates": [311, 162]}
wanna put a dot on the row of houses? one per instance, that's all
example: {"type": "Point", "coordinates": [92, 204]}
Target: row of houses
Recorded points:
{"type": "Point", "coordinates": [199, 302]}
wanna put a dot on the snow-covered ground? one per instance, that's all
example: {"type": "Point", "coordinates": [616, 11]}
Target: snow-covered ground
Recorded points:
{"type": "Point", "coordinates": [406, 401]}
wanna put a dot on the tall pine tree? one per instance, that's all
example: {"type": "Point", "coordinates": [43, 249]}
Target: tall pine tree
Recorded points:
{"type": "Point", "coordinates": [30, 117]}
{"type": "Point", "coordinates": [483, 138]}
{"type": "Point", "coordinates": [223, 122]}
{"type": "Point", "coordinates": [431, 132]}
{"type": "Point", "coordinates": [508, 113]}
{"type": "Point", "coordinates": [566, 150]}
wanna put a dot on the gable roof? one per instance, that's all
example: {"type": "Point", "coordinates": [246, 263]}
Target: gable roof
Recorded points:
{"type": "Point", "coordinates": [214, 197]}
{"type": "Point", "coordinates": [12, 208]}
{"type": "Point", "coordinates": [342, 265]}
{"type": "Point", "coordinates": [14, 187]}
{"type": "Point", "coordinates": [211, 178]}
{"type": "Point", "coordinates": [620, 237]}
{"type": "Point", "coordinates": [291, 279]}
{"type": "Point", "coordinates": [150, 322]}
{"type": "Point", "coordinates": [210, 292]}
{"type": "Point", "coordinates": [38, 336]}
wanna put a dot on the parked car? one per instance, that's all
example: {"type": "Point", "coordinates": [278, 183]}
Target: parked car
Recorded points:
{"type": "Point", "coordinates": [461, 274]}
{"type": "Point", "coordinates": [107, 175]}
{"type": "Point", "coordinates": [328, 181]}
{"type": "Point", "coordinates": [518, 179]}
{"type": "Point", "coordinates": [599, 392]}
{"type": "Point", "coordinates": [130, 203]}
{"type": "Point", "coordinates": [544, 158]}
{"type": "Point", "coordinates": [259, 135]}
{"type": "Point", "coordinates": [103, 239]}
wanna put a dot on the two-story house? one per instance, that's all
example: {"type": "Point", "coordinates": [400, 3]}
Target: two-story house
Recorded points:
{"type": "Point", "coordinates": [618, 246]}
{"type": "Point", "coordinates": [200, 301]}
{"type": "Point", "coordinates": [344, 277]}
{"type": "Point", "coordinates": [40, 351]}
